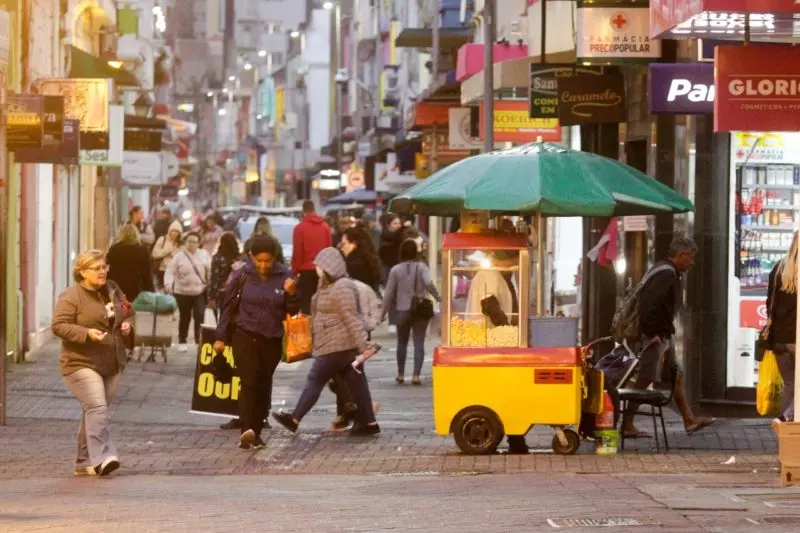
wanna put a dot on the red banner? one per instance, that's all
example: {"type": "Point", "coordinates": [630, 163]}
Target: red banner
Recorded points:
{"type": "Point", "coordinates": [753, 314]}
{"type": "Point", "coordinates": [758, 88]}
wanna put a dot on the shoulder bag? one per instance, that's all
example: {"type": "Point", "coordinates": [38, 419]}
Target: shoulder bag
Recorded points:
{"type": "Point", "coordinates": [421, 306]}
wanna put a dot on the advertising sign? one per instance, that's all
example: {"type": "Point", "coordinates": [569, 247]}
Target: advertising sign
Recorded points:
{"type": "Point", "coordinates": [112, 155]}
{"type": "Point", "coordinates": [84, 99]}
{"type": "Point", "coordinates": [460, 135]}
{"type": "Point", "coordinates": [24, 127]}
{"type": "Point", "coordinates": [758, 88]}
{"type": "Point", "coordinates": [63, 153]}
{"type": "Point", "coordinates": [722, 19]}
{"type": "Point", "coordinates": [512, 124]}
{"type": "Point", "coordinates": [53, 115]}
{"type": "Point", "coordinates": [210, 396]}
{"type": "Point", "coordinates": [752, 313]}
{"type": "Point", "coordinates": [543, 99]}
{"type": "Point", "coordinates": [142, 140]}
{"type": "Point", "coordinates": [682, 88]}
{"type": "Point", "coordinates": [142, 169]}
{"type": "Point", "coordinates": [592, 100]}
{"type": "Point", "coordinates": [615, 33]}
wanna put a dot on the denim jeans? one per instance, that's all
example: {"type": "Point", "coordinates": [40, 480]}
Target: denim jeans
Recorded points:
{"type": "Point", "coordinates": [392, 311]}
{"type": "Point", "coordinates": [94, 392]}
{"type": "Point", "coordinates": [785, 355]}
{"type": "Point", "coordinates": [406, 326]}
{"type": "Point", "coordinates": [323, 369]}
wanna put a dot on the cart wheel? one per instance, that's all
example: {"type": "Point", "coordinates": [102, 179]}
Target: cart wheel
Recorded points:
{"type": "Point", "coordinates": [477, 431]}
{"type": "Point", "coordinates": [573, 443]}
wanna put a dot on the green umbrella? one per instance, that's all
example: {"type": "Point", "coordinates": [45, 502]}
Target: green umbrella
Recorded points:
{"type": "Point", "coordinates": [542, 178]}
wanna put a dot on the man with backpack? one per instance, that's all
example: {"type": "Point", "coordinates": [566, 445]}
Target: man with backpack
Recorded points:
{"type": "Point", "coordinates": [651, 309]}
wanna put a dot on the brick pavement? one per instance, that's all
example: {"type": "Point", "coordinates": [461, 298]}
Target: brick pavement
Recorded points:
{"type": "Point", "coordinates": [157, 435]}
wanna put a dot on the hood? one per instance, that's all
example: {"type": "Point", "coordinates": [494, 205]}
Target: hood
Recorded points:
{"type": "Point", "coordinates": [331, 261]}
{"type": "Point", "coordinates": [314, 218]}
{"type": "Point", "coordinates": [176, 226]}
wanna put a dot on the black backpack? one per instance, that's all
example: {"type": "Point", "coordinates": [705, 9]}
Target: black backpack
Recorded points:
{"type": "Point", "coordinates": [625, 325]}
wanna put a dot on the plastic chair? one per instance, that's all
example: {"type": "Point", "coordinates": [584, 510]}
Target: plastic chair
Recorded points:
{"type": "Point", "coordinates": [656, 399]}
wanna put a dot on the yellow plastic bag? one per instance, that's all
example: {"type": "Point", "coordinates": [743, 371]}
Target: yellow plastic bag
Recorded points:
{"type": "Point", "coordinates": [297, 343]}
{"type": "Point", "coordinates": [770, 386]}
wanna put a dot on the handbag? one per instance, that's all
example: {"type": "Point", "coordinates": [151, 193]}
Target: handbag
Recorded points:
{"type": "Point", "coordinates": [764, 341]}
{"type": "Point", "coordinates": [297, 338]}
{"type": "Point", "coordinates": [202, 278]}
{"type": "Point", "coordinates": [421, 306]}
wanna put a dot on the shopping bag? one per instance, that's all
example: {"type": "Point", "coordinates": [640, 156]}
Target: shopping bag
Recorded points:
{"type": "Point", "coordinates": [770, 386]}
{"type": "Point", "coordinates": [297, 343]}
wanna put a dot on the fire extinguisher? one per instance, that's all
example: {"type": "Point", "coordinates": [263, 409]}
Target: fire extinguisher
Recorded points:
{"type": "Point", "coordinates": [605, 420]}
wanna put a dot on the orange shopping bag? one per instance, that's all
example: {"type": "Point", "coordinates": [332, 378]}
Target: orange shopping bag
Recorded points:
{"type": "Point", "coordinates": [297, 344]}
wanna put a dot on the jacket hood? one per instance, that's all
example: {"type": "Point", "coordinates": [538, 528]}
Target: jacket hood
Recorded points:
{"type": "Point", "coordinates": [176, 226]}
{"type": "Point", "coordinates": [331, 261]}
{"type": "Point", "coordinates": [314, 218]}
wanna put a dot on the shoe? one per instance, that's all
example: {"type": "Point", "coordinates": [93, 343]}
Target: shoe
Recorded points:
{"type": "Point", "coordinates": [392, 329]}
{"type": "Point", "coordinates": [400, 380]}
{"type": "Point", "coordinates": [258, 444]}
{"type": "Point", "coordinates": [266, 423]}
{"type": "Point", "coordinates": [286, 420]}
{"type": "Point", "coordinates": [182, 348]}
{"type": "Point", "coordinates": [107, 466]}
{"type": "Point", "coordinates": [247, 438]}
{"type": "Point", "coordinates": [82, 471]}
{"type": "Point", "coordinates": [340, 423]}
{"type": "Point", "coordinates": [416, 381]}
{"type": "Point", "coordinates": [233, 423]}
{"type": "Point", "coordinates": [364, 430]}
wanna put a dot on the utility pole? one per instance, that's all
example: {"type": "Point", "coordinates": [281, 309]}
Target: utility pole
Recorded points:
{"type": "Point", "coordinates": [3, 240]}
{"type": "Point", "coordinates": [488, 74]}
{"type": "Point", "coordinates": [379, 66]}
{"type": "Point", "coordinates": [434, 223]}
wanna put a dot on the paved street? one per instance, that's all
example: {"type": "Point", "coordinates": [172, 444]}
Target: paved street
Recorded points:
{"type": "Point", "coordinates": [405, 479]}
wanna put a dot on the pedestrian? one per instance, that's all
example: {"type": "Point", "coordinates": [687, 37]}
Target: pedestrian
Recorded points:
{"type": "Point", "coordinates": [161, 222]}
{"type": "Point", "coordinates": [186, 278]}
{"type": "Point", "coordinates": [657, 306]}
{"type": "Point", "coordinates": [310, 236]}
{"type": "Point", "coordinates": [212, 232]}
{"type": "Point", "coordinates": [263, 227]}
{"type": "Point", "coordinates": [360, 257]}
{"type": "Point", "coordinates": [129, 263]}
{"type": "Point", "coordinates": [255, 331]}
{"type": "Point", "coordinates": [339, 337]}
{"type": "Point", "coordinates": [371, 227]}
{"type": "Point", "coordinates": [409, 280]}
{"type": "Point", "coordinates": [221, 268]}
{"type": "Point", "coordinates": [782, 314]}
{"type": "Point", "coordinates": [164, 251]}
{"type": "Point", "coordinates": [389, 253]}
{"type": "Point", "coordinates": [136, 218]}
{"type": "Point", "coordinates": [90, 319]}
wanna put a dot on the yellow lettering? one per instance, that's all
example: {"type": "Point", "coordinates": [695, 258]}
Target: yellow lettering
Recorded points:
{"type": "Point", "coordinates": [236, 385]}
{"type": "Point", "coordinates": [228, 353]}
{"type": "Point", "coordinates": [206, 354]}
{"type": "Point", "coordinates": [222, 390]}
{"type": "Point", "coordinates": [205, 385]}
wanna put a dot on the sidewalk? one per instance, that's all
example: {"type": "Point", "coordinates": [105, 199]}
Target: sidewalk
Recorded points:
{"type": "Point", "coordinates": [157, 435]}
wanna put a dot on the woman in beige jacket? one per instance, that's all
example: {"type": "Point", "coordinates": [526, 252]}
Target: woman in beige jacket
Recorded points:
{"type": "Point", "coordinates": [164, 250]}
{"type": "Point", "coordinates": [90, 320]}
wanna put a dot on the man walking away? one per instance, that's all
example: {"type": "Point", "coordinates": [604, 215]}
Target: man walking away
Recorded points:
{"type": "Point", "coordinates": [657, 308]}
{"type": "Point", "coordinates": [136, 219]}
{"type": "Point", "coordinates": [310, 237]}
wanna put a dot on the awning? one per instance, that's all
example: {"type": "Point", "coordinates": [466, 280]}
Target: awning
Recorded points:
{"type": "Point", "coordinates": [85, 65]}
{"type": "Point", "coordinates": [509, 74]}
{"type": "Point", "coordinates": [470, 57]}
{"type": "Point", "coordinates": [449, 38]}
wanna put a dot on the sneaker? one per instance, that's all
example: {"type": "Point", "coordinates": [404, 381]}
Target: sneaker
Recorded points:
{"type": "Point", "coordinates": [258, 444]}
{"type": "Point", "coordinates": [182, 348]}
{"type": "Point", "coordinates": [285, 419]}
{"type": "Point", "coordinates": [364, 430]}
{"type": "Point", "coordinates": [107, 466]}
{"type": "Point", "coordinates": [392, 329]}
{"type": "Point", "coordinates": [81, 471]}
{"type": "Point", "coordinates": [232, 424]}
{"type": "Point", "coordinates": [247, 438]}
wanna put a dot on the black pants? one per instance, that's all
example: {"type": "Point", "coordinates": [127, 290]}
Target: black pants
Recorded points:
{"type": "Point", "coordinates": [256, 358]}
{"type": "Point", "coordinates": [190, 308]}
{"type": "Point", "coordinates": [306, 287]}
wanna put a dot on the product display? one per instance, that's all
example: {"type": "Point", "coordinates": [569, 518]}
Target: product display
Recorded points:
{"type": "Point", "coordinates": [503, 336]}
{"type": "Point", "coordinates": [469, 333]}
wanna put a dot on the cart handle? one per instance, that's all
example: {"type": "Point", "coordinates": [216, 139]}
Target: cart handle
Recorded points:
{"type": "Point", "coordinates": [585, 349]}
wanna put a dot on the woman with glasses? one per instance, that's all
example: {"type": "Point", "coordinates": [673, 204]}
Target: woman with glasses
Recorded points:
{"type": "Point", "coordinates": [255, 331]}
{"type": "Point", "coordinates": [186, 278]}
{"type": "Point", "coordinates": [89, 319]}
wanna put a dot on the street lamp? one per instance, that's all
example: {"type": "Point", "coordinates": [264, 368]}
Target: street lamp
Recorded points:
{"type": "Point", "coordinates": [142, 105]}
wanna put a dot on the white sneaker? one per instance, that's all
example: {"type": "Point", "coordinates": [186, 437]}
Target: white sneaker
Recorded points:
{"type": "Point", "coordinates": [182, 348]}
{"type": "Point", "coordinates": [392, 329]}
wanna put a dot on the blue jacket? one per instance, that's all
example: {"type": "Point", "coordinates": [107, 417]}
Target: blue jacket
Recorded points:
{"type": "Point", "coordinates": [264, 303]}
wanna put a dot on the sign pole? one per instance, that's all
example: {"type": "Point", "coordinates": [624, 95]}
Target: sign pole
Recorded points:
{"type": "Point", "coordinates": [3, 240]}
{"type": "Point", "coordinates": [488, 75]}
{"type": "Point", "coordinates": [434, 230]}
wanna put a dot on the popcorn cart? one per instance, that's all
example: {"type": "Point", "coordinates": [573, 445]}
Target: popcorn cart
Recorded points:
{"type": "Point", "coordinates": [498, 371]}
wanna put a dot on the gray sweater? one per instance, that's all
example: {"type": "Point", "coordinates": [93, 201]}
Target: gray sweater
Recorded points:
{"type": "Point", "coordinates": [407, 280]}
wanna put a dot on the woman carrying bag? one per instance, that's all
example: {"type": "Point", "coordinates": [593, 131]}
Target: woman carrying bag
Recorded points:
{"type": "Point", "coordinates": [186, 278]}
{"type": "Point", "coordinates": [406, 289]}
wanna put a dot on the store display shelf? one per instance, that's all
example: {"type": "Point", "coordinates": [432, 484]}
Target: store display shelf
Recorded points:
{"type": "Point", "coordinates": [758, 227]}
{"type": "Point", "coordinates": [475, 269]}
{"type": "Point", "coordinates": [782, 207]}
{"type": "Point", "coordinates": [773, 187]}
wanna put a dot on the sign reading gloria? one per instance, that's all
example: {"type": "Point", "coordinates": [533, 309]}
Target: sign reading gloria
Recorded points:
{"type": "Point", "coordinates": [24, 127]}
{"type": "Point", "coordinates": [591, 100]}
{"type": "Point", "coordinates": [758, 88]}
{"type": "Point", "coordinates": [210, 396]}
{"type": "Point", "coordinates": [682, 88]}
{"type": "Point", "coordinates": [616, 33]}
{"type": "Point", "coordinates": [543, 100]}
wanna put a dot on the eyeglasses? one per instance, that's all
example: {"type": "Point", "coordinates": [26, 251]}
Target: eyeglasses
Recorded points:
{"type": "Point", "coordinates": [99, 268]}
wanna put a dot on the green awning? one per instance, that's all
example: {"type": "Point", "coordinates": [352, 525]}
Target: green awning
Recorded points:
{"type": "Point", "coordinates": [85, 65]}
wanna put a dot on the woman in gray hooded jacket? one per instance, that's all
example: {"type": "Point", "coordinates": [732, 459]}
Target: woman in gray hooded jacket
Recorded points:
{"type": "Point", "coordinates": [339, 337]}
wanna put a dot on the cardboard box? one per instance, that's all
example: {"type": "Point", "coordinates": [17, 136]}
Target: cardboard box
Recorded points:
{"type": "Point", "coordinates": [789, 453]}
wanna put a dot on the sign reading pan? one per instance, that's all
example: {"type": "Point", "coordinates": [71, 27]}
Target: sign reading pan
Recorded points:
{"type": "Point", "coordinates": [543, 100]}
{"type": "Point", "coordinates": [592, 100]}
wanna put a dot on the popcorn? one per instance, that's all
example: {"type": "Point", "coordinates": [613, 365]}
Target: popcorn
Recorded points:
{"type": "Point", "coordinates": [503, 336]}
{"type": "Point", "coordinates": [467, 333]}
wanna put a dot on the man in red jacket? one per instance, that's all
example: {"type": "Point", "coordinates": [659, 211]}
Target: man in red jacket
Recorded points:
{"type": "Point", "coordinates": [310, 237]}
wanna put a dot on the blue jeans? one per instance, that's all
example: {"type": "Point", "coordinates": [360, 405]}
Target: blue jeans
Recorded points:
{"type": "Point", "coordinates": [392, 311]}
{"type": "Point", "coordinates": [405, 327]}
{"type": "Point", "coordinates": [94, 392]}
{"type": "Point", "coordinates": [324, 368]}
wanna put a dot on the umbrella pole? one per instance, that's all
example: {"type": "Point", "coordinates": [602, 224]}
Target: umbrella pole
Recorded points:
{"type": "Point", "coordinates": [540, 245]}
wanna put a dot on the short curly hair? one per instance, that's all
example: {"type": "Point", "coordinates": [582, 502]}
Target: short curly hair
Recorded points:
{"type": "Point", "coordinates": [85, 260]}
